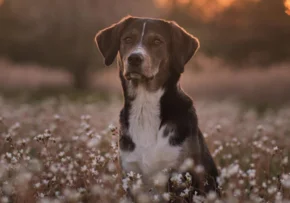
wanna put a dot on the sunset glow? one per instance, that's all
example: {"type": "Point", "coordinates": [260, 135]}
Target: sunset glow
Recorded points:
{"type": "Point", "coordinates": [287, 5]}
{"type": "Point", "coordinates": [184, 1]}
{"type": "Point", "coordinates": [206, 9]}
{"type": "Point", "coordinates": [161, 3]}
{"type": "Point", "coordinates": [225, 3]}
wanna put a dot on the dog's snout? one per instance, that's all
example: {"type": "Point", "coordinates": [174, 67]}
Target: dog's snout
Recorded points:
{"type": "Point", "coordinates": [135, 59]}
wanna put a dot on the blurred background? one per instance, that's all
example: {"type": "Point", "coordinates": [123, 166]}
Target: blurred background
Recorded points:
{"type": "Point", "coordinates": [47, 47]}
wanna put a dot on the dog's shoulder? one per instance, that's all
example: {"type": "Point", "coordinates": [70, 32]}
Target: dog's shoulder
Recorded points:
{"type": "Point", "coordinates": [177, 106]}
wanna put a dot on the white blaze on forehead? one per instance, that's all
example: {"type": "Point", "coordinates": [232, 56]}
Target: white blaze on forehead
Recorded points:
{"type": "Point", "coordinates": [140, 49]}
{"type": "Point", "coordinates": [143, 31]}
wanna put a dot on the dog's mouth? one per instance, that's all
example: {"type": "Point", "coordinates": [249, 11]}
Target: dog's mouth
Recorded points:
{"type": "Point", "coordinates": [137, 77]}
{"type": "Point", "coordinates": [134, 76]}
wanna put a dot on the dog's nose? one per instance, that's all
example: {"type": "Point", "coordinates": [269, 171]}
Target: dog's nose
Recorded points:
{"type": "Point", "coordinates": [135, 59]}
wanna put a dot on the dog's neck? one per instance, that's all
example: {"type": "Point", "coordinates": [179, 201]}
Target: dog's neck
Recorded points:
{"type": "Point", "coordinates": [171, 102]}
{"type": "Point", "coordinates": [131, 89]}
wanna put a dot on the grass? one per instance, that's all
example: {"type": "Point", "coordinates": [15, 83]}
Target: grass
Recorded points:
{"type": "Point", "coordinates": [58, 150]}
{"type": "Point", "coordinates": [59, 145]}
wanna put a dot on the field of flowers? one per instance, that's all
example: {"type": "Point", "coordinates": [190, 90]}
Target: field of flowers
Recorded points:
{"type": "Point", "coordinates": [58, 150]}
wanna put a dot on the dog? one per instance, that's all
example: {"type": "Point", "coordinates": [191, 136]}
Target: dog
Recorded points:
{"type": "Point", "coordinates": [158, 122]}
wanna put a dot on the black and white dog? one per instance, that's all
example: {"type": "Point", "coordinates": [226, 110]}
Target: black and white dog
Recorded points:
{"type": "Point", "coordinates": [158, 123]}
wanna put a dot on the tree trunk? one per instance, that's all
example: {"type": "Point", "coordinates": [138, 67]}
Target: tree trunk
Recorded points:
{"type": "Point", "coordinates": [81, 77]}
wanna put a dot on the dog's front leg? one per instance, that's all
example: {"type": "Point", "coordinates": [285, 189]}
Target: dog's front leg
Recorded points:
{"type": "Point", "coordinates": [126, 146]}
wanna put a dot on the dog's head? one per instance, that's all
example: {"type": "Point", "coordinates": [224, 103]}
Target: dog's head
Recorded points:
{"type": "Point", "coordinates": [149, 49]}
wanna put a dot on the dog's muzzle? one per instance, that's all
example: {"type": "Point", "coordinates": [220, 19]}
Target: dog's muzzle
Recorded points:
{"type": "Point", "coordinates": [133, 71]}
{"type": "Point", "coordinates": [136, 67]}
{"type": "Point", "coordinates": [135, 59]}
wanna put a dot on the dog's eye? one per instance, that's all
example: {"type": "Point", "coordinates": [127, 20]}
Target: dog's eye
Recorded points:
{"type": "Point", "coordinates": [157, 41]}
{"type": "Point", "coordinates": [128, 40]}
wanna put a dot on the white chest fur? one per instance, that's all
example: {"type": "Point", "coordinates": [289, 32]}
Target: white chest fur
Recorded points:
{"type": "Point", "coordinates": [152, 150]}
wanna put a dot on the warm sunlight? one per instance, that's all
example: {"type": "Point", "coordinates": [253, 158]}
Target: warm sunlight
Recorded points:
{"type": "Point", "coordinates": [225, 3]}
{"type": "Point", "coordinates": [1, 2]}
{"type": "Point", "coordinates": [161, 3]}
{"type": "Point", "coordinates": [206, 9]}
{"type": "Point", "coordinates": [222, 3]}
{"type": "Point", "coordinates": [287, 5]}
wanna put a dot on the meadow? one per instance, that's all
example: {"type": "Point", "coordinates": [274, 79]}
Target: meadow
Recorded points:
{"type": "Point", "coordinates": [62, 147]}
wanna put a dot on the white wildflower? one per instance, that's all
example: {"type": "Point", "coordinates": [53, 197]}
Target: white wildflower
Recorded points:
{"type": "Point", "coordinates": [131, 174]}
{"type": "Point", "coordinates": [187, 165]}
{"type": "Point", "coordinates": [94, 142]}
{"type": "Point", "coordinates": [37, 185]}
{"type": "Point", "coordinates": [185, 192]}
{"type": "Point", "coordinates": [111, 167]}
{"type": "Point", "coordinates": [198, 199]}
{"type": "Point", "coordinates": [156, 198]}
{"type": "Point", "coordinates": [278, 197]}
{"type": "Point", "coordinates": [125, 183]}
{"type": "Point", "coordinates": [176, 178]}
{"type": "Point", "coordinates": [285, 180]}
{"type": "Point", "coordinates": [272, 189]}
{"type": "Point", "coordinates": [251, 173]}
{"type": "Point", "coordinates": [84, 168]}
{"type": "Point", "coordinates": [4, 200]}
{"type": "Point", "coordinates": [285, 161]}
{"type": "Point", "coordinates": [160, 179]}
{"type": "Point", "coordinates": [61, 154]}
{"type": "Point", "coordinates": [79, 155]}
{"type": "Point", "coordinates": [218, 128]}
{"type": "Point", "coordinates": [166, 196]}
{"type": "Point", "coordinates": [233, 170]}
{"type": "Point", "coordinates": [211, 196]}
{"type": "Point", "coordinates": [252, 182]}
{"type": "Point", "coordinates": [199, 169]}
{"type": "Point", "coordinates": [111, 127]}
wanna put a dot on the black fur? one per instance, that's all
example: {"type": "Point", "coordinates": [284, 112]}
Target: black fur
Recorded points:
{"type": "Point", "coordinates": [126, 143]}
{"type": "Point", "coordinates": [176, 107]}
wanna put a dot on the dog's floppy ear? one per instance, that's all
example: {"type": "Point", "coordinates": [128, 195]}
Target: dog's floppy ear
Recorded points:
{"type": "Point", "coordinates": [184, 46]}
{"type": "Point", "coordinates": [108, 40]}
